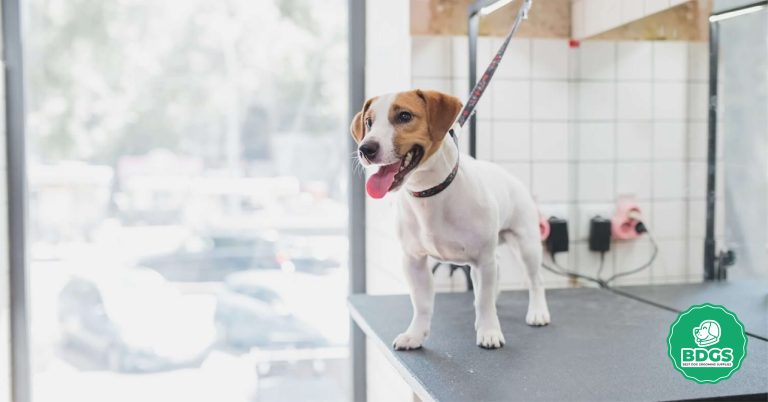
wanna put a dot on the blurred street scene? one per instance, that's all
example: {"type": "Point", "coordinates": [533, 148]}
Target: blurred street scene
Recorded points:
{"type": "Point", "coordinates": [188, 208]}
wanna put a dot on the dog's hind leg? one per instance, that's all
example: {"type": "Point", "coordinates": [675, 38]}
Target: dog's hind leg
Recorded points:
{"type": "Point", "coordinates": [419, 279]}
{"type": "Point", "coordinates": [529, 245]}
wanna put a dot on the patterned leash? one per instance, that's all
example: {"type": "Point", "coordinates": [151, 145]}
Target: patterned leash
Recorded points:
{"type": "Point", "coordinates": [474, 97]}
{"type": "Point", "coordinates": [482, 83]}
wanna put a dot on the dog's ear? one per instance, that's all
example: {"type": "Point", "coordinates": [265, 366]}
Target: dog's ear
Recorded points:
{"type": "Point", "coordinates": [357, 127]}
{"type": "Point", "coordinates": [442, 110]}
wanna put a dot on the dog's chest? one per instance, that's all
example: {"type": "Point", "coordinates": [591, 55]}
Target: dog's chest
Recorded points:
{"type": "Point", "coordinates": [440, 233]}
{"type": "Point", "coordinates": [445, 248]}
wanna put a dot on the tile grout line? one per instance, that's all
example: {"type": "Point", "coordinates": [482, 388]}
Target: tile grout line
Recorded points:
{"type": "Point", "coordinates": [574, 73]}
{"type": "Point", "coordinates": [530, 120]}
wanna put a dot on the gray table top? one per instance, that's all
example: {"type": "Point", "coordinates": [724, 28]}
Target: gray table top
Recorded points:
{"type": "Point", "coordinates": [599, 346]}
{"type": "Point", "coordinates": [748, 299]}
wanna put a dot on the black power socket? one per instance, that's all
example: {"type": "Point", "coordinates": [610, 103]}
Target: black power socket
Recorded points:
{"type": "Point", "coordinates": [599, 234]}
{"type": "Point", "coordinates": [557, 241]}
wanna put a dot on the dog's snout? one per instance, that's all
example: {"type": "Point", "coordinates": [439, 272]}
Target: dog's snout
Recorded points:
{"type": "Point", "coordinates": [369, 149]}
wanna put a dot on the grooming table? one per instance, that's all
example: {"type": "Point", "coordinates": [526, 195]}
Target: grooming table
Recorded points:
{"type": "Point", "coordinates": [600, 346]}
{"type": "Point", "coordinates": [748, 299]}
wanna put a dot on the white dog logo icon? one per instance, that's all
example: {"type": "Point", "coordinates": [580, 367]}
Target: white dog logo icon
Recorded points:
{"type": "Point", "coordinates": [707, 333]}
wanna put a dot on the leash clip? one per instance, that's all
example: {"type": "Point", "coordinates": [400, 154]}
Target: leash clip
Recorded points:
{"type": "Point", "coordinates": [526, 8]}
{"type": "Point", "coordinates": [454, 133]}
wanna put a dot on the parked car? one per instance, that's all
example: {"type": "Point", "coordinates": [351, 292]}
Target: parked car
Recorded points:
{"type": "Point", "coordinates": [212, 257]}
{"type": "Point", "coordinates": [134, 321]}
{"type": "Point", "coordinates": [253, 311]}
{"type": "Point", "coordinates": [314, 254]}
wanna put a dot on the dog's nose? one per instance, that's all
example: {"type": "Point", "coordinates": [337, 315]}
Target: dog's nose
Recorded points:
{"type": "Point", "coordinates": [369, 149]}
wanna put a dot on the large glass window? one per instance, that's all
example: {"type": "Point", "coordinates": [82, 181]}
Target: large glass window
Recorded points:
{"type": "Point", "coordinates": [743, 128]}
{"type": "Point", "coordinates": [187, 199]}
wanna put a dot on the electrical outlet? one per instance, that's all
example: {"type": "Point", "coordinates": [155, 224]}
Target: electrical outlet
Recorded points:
{"type": "Point", "coordinates": [558, 239]}
{"type": "Point", "coordinates": [586, 213]}
{"type": "Point", "coordinates": [600, 234]}
{"type": "Point", "coordinates": [560, 211]}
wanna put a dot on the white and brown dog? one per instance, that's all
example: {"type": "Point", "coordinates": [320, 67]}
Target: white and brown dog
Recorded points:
{"type": "Point", "coordinates": [453, 211]}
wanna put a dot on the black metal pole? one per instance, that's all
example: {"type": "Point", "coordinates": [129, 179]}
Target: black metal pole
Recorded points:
{"type": "Point", "coordinates": [472, 33]}
{"type": "Point", "coordinates": [17, 198]}
{"type": "Point", "coordinates": [709, 239]}
{"type": "Point", "coordinates": [356, 232]}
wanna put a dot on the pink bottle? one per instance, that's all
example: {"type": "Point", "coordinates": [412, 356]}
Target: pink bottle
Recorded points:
{"type": "Point", "coordinates": [625, 220]}
{"type": "Point", "coordinates": [543, 227]}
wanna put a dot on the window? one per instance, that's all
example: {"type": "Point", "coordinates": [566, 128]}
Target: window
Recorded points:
{"type": "Point", "coordinates": [188, 208]}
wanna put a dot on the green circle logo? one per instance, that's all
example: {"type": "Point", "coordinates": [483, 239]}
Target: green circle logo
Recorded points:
{"type": "Point", "coordinates": [707, 343]}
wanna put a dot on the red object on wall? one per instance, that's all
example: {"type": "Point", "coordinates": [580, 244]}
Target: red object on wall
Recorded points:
{"type": "Point", "coordinates": [544, 228]}
{"type": "Point", "coordinates": [625, 220]}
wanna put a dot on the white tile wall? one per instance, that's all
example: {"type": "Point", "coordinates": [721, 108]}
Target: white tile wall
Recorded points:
{"type": "Point", "coordinates": [634, 100]}
{"type": "Point", "coordinates": [596, 100]}
{"type": "Point", "coordinates": [671, 265]}
{"type": "Point", "coordinates": [669, 100]}
{"type": "Point", "coordinates": [517, 50]}
{"type": "Point", "coordinates": [430, 57]}
{"type": "Point", "coordinates": [581, 127]}
{"type": "Point", "coordinates": [595, 182]}
{"type": "Point", "coordinates": [634, 140]}
{"type": "Point", "coordinates": [592, 56]}
{"type": "Point", "coordinates": [549, 100]}
{"type": "Point", "coordinates": [669, 139]}
{"type": "Point", "coordinates": [634, 60]}
{"type": "Point", "coordinates": [521, 170]}
{"type": "Point", "coordinates": [550, 182]}
{"type": "Point", "coordinates": [596, 141]}
{"type": "Point", "coordinates": [630, 255]}
{"type": "Point", "coordinates": [669, 180]}
{"type": "Point", "coordinates": [549, 58]}
{"type": "Point", "coordinates": [670, 61]}
{"type": "Point", "coordinates": [698, 93]}
{"type": "Point", "coordinates": [634, 178]}
{"type": "Point", "coordinates": [549, 141]}
{"type": "Point", "coordinates": [511, 100]}
{"type": "Point", "coordinates": [511, 141]}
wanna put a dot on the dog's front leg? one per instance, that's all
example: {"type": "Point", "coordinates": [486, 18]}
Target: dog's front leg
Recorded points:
{"type": "Point", "coordinates": [485, 279]}
{"type": "Point", "coordinates": [422, 289]}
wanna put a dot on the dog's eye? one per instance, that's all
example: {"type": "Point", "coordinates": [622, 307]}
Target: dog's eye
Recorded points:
{"type": "Point", "coordinates": [368, 123]}
{"type": "Point", "coordinates": [404, 117]}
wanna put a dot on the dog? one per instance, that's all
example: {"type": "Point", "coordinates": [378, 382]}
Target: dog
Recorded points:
{"type": "Point", "coordinates": [455, 209]}
{"type": "Point", "coordinates": [707, 333]}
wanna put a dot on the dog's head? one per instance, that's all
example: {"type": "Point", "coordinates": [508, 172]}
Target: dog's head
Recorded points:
{"type": "Point", "coordinates": [706, 330]}
{"type": "Point", "coordinates": [399, 132]}
{"type": "Point", "coordinates": [707, 333]}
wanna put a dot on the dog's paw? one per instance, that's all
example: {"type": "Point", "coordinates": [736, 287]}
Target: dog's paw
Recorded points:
{"type": "Point", "coordinates": [537, 316]}
{"type": "Point", "coordinates": [490, 338]}
{"type": "Point", "coordinates": [408, 341]}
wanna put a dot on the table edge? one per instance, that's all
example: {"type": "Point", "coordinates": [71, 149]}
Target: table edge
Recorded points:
{"type": "Point", "coordinates": [416, 386]}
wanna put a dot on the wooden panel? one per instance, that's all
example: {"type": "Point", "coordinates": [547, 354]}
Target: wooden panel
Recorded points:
{"type": "Point", "coordinates": [552, 19]}
{"type": "Point", "coordinates": [548, 18]}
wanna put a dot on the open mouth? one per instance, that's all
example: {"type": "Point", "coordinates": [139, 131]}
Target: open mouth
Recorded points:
{"type": "Point", "coordinates": [390, 177]}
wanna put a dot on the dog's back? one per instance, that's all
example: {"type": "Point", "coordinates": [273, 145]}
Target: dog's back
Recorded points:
{"type": "Point", "coordinates": [513, 197]}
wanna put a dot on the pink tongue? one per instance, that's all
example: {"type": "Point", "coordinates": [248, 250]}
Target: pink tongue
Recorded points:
{"type": "Point", "coordinates": [379, 183]}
